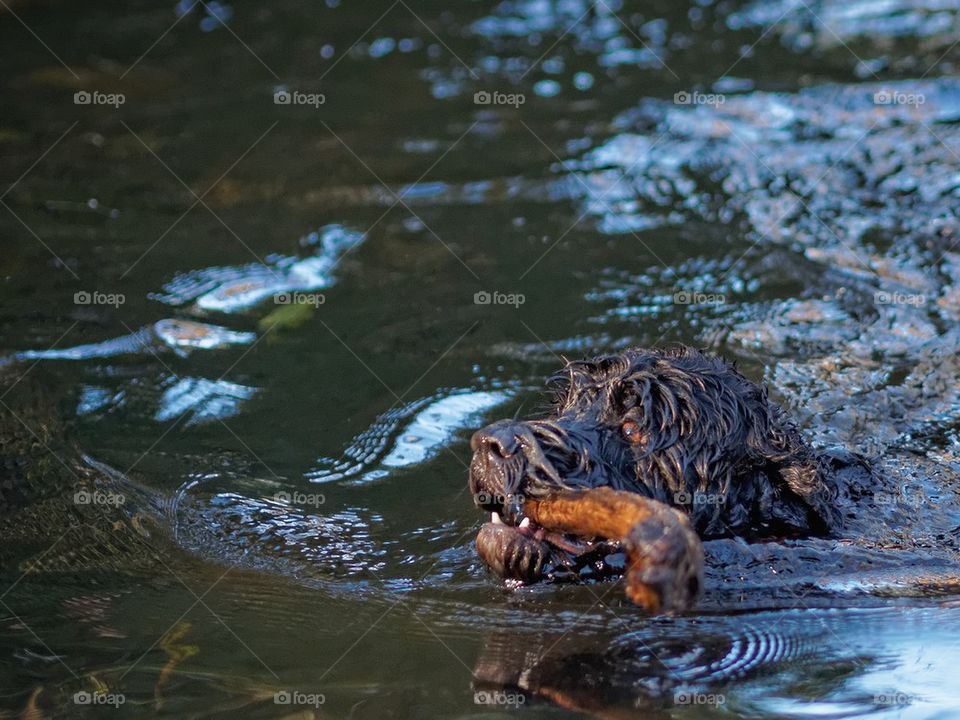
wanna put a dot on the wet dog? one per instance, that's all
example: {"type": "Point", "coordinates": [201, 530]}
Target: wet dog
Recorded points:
{"type": "Point", "coordinates": [676, 426]}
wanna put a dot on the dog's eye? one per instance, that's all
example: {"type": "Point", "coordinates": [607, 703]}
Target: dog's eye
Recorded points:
{"type": "Point", "coordinates": [631, 431]}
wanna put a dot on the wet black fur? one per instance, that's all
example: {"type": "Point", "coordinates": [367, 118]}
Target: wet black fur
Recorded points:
{"type": "Point", "coordinates": [713, 443]}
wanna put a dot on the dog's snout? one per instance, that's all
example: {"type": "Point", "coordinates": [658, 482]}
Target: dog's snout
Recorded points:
{"type": "Point", "coordinates": [501, 438]}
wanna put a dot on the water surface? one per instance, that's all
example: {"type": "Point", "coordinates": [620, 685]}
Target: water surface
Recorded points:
{"type": "Point", "coordinates": [282, 321]}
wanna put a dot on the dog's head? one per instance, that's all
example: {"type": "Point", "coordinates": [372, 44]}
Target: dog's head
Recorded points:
{"type": "Point", "coordinates": [675, 425]}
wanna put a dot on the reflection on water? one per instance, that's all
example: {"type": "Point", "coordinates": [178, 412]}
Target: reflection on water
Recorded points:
{"type": "Point", "coordinates": [870, 23]}
{"type": "Point", "coordinates": [409, 435]}
{"type": "Point", "coordinates": [865, 662]}
{"type": "Point", "coordinates": [202, 399]}
{"type": "Point", "coordinates": [231, 289]}
{"type": "Point", "coordinates": [180, 336]}
{"type": "Point", "coordinates": [775, 181]}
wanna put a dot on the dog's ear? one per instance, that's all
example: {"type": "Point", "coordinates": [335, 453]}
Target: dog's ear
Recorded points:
{"type": "Point", "coordinates": [795, 470]}
{"type": "Point", "coordinates": [579, 378]}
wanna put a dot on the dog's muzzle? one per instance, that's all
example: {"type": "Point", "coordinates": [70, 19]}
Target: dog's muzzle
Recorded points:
{"type": "Point", "coordinates": [505, 455]}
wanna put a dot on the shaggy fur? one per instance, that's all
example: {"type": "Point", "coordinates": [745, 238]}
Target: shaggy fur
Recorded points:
{"type": "Point", "coordinates": [674, 425]}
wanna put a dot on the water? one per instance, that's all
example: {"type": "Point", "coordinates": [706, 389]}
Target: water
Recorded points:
{"type": "Point", "coordinates": [479, 192]}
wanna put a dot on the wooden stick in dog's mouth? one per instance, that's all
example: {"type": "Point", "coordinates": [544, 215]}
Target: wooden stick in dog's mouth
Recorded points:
{"type": "Point", "coordinates": [664, 554]}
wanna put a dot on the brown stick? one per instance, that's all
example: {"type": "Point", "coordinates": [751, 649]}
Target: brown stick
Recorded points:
{"type": "Point", "coordinates": [665, 571]}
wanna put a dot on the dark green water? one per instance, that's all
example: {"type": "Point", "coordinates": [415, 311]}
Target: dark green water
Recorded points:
{"type": "Point", "coordinates": [776, 182]}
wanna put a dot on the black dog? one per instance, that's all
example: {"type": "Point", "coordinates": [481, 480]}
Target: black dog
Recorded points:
{"type": "Point", "coordinates": [677, 426]}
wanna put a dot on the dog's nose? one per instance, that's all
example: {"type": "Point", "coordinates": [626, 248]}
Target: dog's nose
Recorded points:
{"type": "Point", "coordinates": [501, 437]}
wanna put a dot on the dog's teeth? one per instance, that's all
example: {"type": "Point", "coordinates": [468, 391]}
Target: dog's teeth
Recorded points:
{"type": "Point", "coordinates": [495, 518]}
{"type": "Point", "coordinates": [525, 522]}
